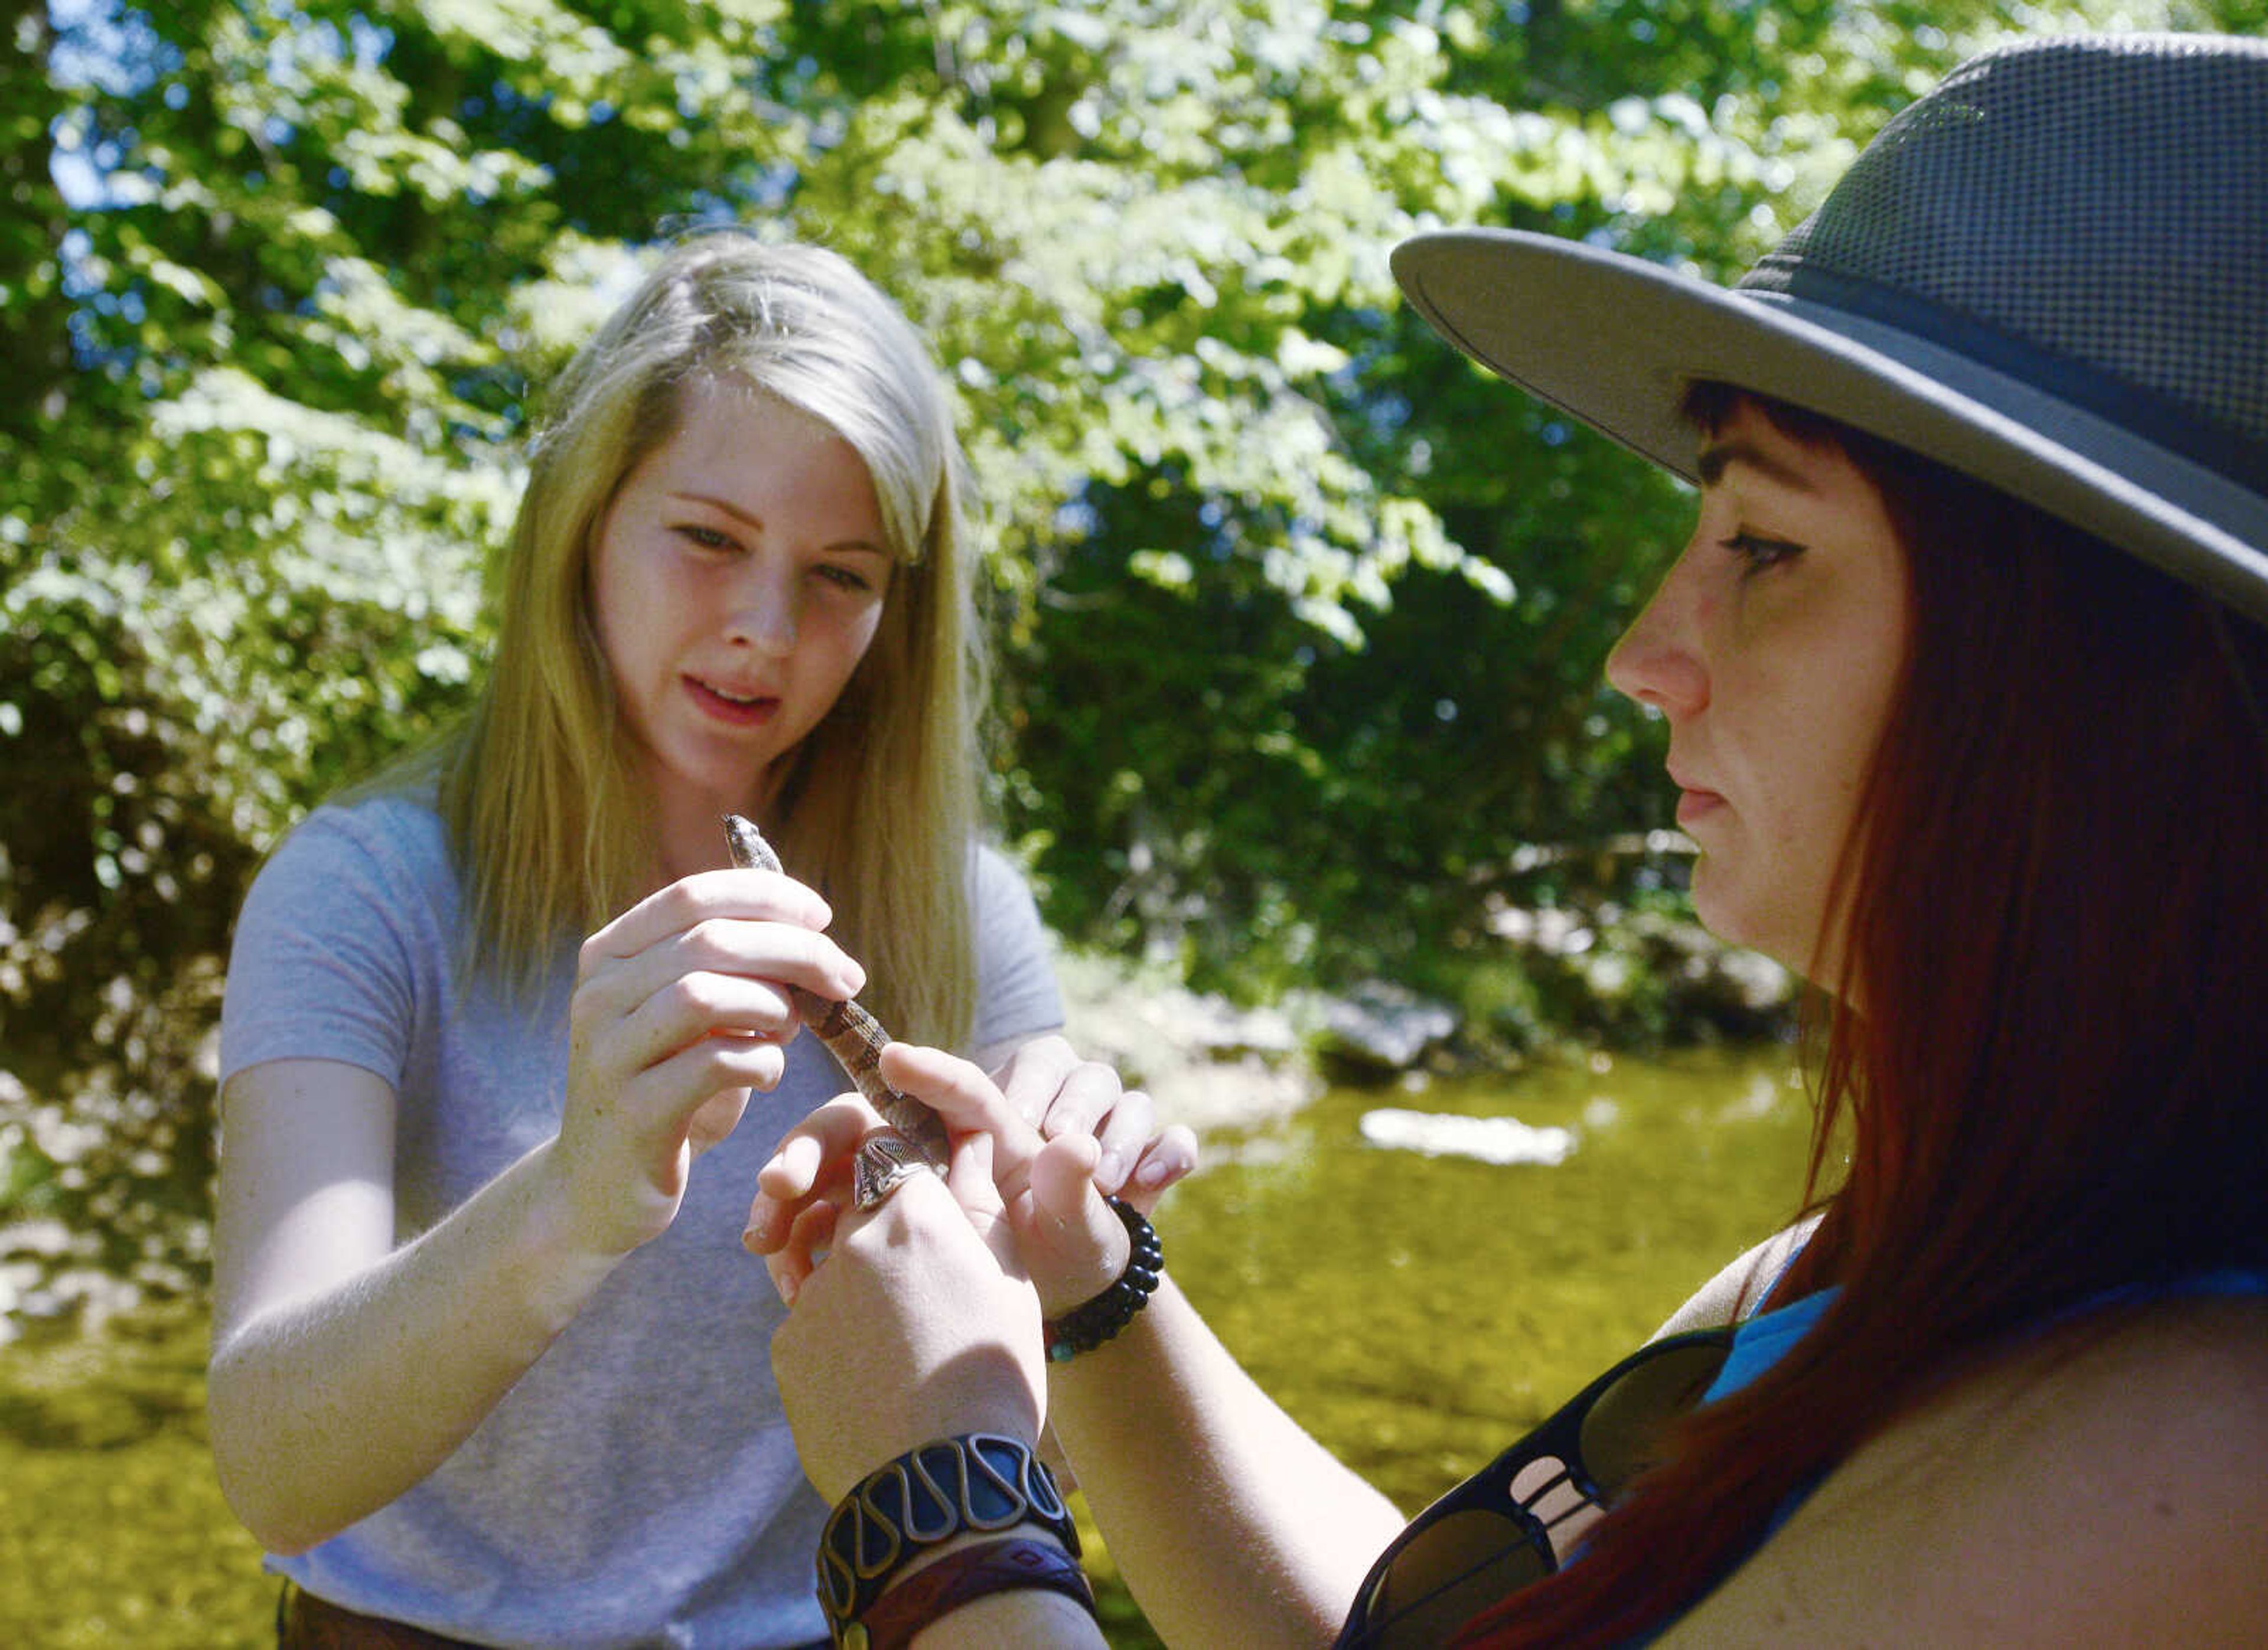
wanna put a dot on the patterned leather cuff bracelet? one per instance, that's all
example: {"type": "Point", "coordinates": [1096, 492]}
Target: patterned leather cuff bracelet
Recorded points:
{"type": "Point", "coordinates": [1012, 1564]}
{"type": "Point", "coordinates": [1087, 1327]}
{"type": "Point", "coordinates": [984, 1482]}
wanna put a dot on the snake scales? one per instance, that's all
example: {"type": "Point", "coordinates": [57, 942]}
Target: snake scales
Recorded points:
{"type": "Point", "coordinates": [852, 1035]}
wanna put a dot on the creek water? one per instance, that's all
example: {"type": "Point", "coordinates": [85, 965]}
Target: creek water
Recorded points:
{"type": "Point", "coordinates": [1417, 1313]}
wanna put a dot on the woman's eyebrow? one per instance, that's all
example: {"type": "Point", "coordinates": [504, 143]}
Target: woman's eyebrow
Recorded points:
{"type": "Point", "coordinates": [725, 505]}
{"type": "Point", "coordinates": [1719, 456]}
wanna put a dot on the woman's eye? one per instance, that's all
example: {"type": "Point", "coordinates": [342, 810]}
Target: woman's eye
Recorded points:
{"type": "Point", "coordinates": [707, 538]}
{"type": "Point", "coordinates": [847, 578]}
{"type": "Point", "coordinates": [1760, 552]}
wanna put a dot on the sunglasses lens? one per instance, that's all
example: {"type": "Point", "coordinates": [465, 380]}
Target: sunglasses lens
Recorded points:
{"type": "Point", "coordinates": [1496, 1533]}
{"type": "Point", "coordinates": [1450, 1571]}
{"type": "Point", "coordinates": [1622, 1435]}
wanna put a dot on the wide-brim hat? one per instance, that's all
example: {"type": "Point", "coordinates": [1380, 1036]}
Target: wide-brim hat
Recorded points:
{"type": "Point", "coordinates": [2049, 273]}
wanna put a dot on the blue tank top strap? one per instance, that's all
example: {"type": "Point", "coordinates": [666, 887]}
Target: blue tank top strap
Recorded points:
{"type": "Point", "coordinates": [1764, 1339]}
{"type": "Point", "coordinates": [2224, 1280]}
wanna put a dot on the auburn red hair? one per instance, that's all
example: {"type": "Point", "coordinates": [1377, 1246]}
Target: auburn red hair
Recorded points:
{"type": "Point", "coordinates": [2057, 924]}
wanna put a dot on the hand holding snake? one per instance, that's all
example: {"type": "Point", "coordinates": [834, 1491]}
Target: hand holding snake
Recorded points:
{"type": "Point", "coordinates": [1059, 1133]}
{"type": "Point", "coordinates": [912, 1138]}
{"type": "Point", "coordinates": [679, 1009]}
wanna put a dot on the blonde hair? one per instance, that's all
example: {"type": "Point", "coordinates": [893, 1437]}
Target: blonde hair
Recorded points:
{"type": "Point", "coordinates": [546, 814]}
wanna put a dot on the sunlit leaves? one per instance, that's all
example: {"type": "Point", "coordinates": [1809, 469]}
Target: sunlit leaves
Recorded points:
{"type": "Point", "coordinates": [1301, 616]}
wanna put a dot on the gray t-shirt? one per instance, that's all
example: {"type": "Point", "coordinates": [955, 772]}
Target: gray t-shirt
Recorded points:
{"type": "Point", "coordinates": [638, 1486]}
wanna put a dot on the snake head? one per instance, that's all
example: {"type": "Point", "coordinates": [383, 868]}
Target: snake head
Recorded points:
{"type": "Point", "coordinates": [750, 851]}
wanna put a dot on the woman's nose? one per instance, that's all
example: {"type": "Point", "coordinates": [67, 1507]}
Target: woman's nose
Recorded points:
{"type": "Point", "coordinates": [1656, 662]}
{"type": "Point", "coordinates": [764, 613]}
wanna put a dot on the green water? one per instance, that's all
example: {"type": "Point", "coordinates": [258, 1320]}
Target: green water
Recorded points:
{"type": "Point", "coordinates": [1417, 1314]}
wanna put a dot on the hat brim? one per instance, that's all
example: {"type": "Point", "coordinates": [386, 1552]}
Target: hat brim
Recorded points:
{"type": "Point", "coordinates": [1614, 342]}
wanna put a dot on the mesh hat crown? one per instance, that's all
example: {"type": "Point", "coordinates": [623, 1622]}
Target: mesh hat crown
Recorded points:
{"type": "Point", "coordinates": [2049, 273]}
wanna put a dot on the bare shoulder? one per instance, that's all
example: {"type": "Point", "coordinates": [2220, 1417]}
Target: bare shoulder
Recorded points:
{"type": "Point", "coordinates": [2106, 1485]}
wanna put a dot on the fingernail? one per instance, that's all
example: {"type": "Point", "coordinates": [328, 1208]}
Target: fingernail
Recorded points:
{"type": "Point", "coordinates": [1111, 1171]}
{"type": "Point", "coordinates": [786, 1284]}
{"type": "Point", "coordinates": [1150, 1174]}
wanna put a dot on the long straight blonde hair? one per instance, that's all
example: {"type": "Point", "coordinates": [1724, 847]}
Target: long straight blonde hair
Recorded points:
{"type": "Point", "coordinates": [547, 814]}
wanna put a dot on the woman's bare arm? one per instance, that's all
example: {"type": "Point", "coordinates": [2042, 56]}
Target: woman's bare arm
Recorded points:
{"type": "Point", "coordinates": [345, 1370]}
{"type": "Point", "coordinates": [1231, 1524]}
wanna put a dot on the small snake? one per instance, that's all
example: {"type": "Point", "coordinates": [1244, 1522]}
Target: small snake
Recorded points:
{"type": "Point", "coordinates": [852, 1035]}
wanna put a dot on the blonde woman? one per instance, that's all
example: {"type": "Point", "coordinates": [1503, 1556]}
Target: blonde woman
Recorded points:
{"type": "Point", "coordinates": [490, 1365]}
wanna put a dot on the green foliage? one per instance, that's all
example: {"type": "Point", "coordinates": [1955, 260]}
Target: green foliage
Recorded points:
{"type": "Point", "coordinates": [1303, 617]}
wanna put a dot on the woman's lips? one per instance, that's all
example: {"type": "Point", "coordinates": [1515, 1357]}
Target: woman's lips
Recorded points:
{"type": "Point", "coordinates": [1694, 805]}
{"type": "Point", "coordinates": [734, 709]}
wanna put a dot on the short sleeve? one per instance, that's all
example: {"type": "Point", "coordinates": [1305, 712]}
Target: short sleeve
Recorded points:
{"type": "Point", "coordinates": [1016, 993]}
{"type": "Point", "coordinates": [336, 946]}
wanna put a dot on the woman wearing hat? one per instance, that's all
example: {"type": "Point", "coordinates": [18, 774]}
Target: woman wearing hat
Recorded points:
{"type": "Point", "coordinates": [1966, 687]}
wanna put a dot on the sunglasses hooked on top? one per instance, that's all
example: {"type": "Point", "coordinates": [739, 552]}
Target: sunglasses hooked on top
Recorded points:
{"type": "Point", "coordinates": [1494, 1533]}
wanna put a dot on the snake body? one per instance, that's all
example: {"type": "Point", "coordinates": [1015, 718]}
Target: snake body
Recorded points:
{"type": "Point", "coordinates": [852, 1035]}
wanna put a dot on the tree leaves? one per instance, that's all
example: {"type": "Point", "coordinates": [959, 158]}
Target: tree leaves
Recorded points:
{"type": "Point", "coordinates": [1303, 617]}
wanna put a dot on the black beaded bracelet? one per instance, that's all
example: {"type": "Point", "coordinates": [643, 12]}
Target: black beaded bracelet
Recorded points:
{"type": "Point", "coordinates": [985, 1482]}
{"type": "Point", "coordinates": [1087, 1327]}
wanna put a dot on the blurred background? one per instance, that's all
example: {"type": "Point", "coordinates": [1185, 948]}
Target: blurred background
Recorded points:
{"type": "Point", "coordinates": [1300, 618]}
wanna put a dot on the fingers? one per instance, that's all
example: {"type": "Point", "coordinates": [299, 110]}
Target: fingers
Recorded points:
{"type": "Point", "coordinates": [1046, 1083]}
{"type": "Point", "coordinates": [625, 1141]}
{"type": "Point", "coordinates": [1045, 1080]}
{"type": "Point", "coordinates": [971, 1177]}
{"type": "Point", "coordinates": [667, 1039]}
{"type": "Point", "coordinates": [719, 976]}
{"type": "Point", "coordinates": [697, 1095]}
{"type": "Point", "coordinates": [718, 1116]}
{"type": "Point", "coordinates": [803, 1189]}
{"type": "Point", "coordinates": [1165, 1159]}
{"type": "Point", "coordinates": [682, 1006]}
{"type": "Point", "coordinates": [960, 1093]}
{"type": "Point", "coordinates": [829, 1134]}
{"type": "Point", "coordinates": [808, 1238]}
{"type": "Point", "coordinates": [804, 1204]}
{"type": "Point", "coordinates": [1063, 1182]}
{"type": "Point", "coordinates": [810, 1155]}
{"type": "Point", "coordinates": [1037, 1200]}
{"type": "Point", "coordinates": [1050, 1086]}
{"type": "Point", "coordinates": [707, 956]}
{"type": "Point", "coordinates": [1073, 1245]}
{"type": "Point", "coordinates": [1034, 1074]}
{"type": "Point", "coordinates": [753, 894]}
{"type": "Point", "coordinates": [1124, 1132]}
